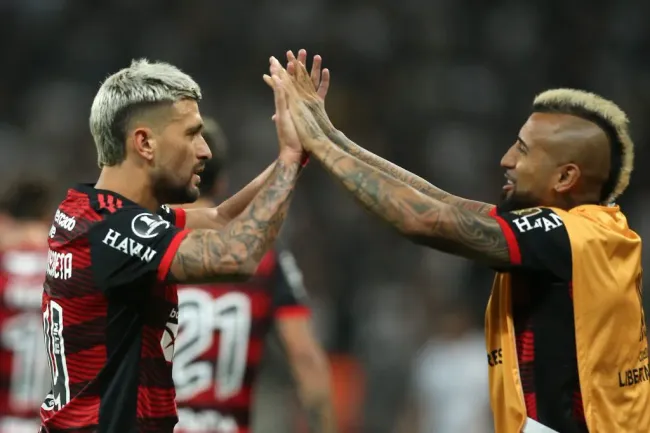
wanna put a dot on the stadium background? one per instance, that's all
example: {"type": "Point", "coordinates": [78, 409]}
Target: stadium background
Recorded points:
{"type": "Point", "coordinates": [440, 87]}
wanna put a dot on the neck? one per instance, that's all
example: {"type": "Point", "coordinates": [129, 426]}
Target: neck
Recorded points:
{"type": "Point", "coordinates": [130, 183]}
{"type": "Point", "coordinates": [569, 202]}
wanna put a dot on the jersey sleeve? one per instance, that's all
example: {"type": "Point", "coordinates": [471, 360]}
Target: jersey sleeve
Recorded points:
{"type": "Point", "coordinates": [289, 294]}
{"type": "Point", "coordinates": [132, 249]}
{"type": "Point", "coordinates": [175, 216]}
{"type": "Point", "coordinates": [537, 240]}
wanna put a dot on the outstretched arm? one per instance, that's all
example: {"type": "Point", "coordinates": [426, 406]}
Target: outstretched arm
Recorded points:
{"type": "Point", "coordinates": [236, 249]}
{"type": "Point", "coordinates": [397, 172]}
{"type": "Point", "coordinates": [315, 100]}
{"type": "Point", "coordinates": [421, 218]}
{"type": "Point", "coordinates": [218, 217]}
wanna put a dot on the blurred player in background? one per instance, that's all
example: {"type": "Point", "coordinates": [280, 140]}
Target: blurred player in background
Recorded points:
{"type": "Point", "coordinates": [110, 303]}
{"type": "Point", "coordinates": [24, 371]}
{"type": "Point", "coordinates": [565, 327]}
{"type": "Point", "coordinates": [223, 327]}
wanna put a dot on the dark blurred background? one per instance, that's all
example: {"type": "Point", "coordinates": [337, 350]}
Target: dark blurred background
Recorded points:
{"type": "Point", "coordinates": [441, 87]}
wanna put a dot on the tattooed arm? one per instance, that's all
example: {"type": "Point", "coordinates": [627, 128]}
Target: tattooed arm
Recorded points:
{"type": "Point", "coordinates": [235, 250]}
{"type": "Point", "coordinates": [393, 170]}
{"type": "Point", "coordinates": [310, 87]}
{"type": "Point", "coordinates": [218, 217]}
{"type": "Point", "coordinates": [423, 219]}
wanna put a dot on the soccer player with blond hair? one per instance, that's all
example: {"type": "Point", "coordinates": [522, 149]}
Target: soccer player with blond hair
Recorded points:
{"type": "Point", "coordinates": [116, 252]}
{"type": "Point", "coordinates": [565, 329]}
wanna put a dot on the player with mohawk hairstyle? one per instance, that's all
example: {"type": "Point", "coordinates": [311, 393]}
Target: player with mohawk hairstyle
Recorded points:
{"type": "Point", "coordinates": [565, 329]}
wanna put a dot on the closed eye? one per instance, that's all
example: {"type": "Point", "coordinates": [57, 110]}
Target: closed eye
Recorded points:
{"type": "Point", "coordinates": [522, 147]}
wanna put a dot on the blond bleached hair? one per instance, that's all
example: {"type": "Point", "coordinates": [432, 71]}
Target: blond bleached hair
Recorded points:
{"type": "Point", "coordinates": [609, 117]}
{"type": "Point", "coordinates": [143, 84]}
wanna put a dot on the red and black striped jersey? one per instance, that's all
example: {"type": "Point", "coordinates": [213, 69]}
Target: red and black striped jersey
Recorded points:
{"type": "Point", "coordinates": [24, 371]}
{"type": "Point", "coordinates": [109, 317]}
{"type": "Point", "coordinates": [220, 343]}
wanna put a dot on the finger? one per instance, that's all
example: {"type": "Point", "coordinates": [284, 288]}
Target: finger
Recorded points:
{"type": "Point", "coordinates": [300, 71]}
{"type": "Point", "coordinates": [276, 68]}
{"type": "Point", "coordinates": [279, 97]}
{"type": "Point", "coordinates": [291, 69]}
{"type": "Point", "coordinates": [302, 56]}
{"type": "Point", "coordinates": [273, 118]}
{"type": "Point", "coordinates": [315, 70]}
{"type": "Point", "coordinates": [268, 80]}
{"type": "Point", "coordinates": [324, 84]}
{"type": "Point", "coordinates": [290, 56]}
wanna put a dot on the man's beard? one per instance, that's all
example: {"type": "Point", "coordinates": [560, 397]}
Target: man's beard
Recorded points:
{"type": "Point", "coordinates": [167, 191]}
{"type": "Point", "coordinates": [516, 201]}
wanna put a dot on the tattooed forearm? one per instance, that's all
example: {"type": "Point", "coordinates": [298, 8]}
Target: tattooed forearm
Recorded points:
{"type": "Point", "coordinates": [320, 416]}
{"type": "Point", "coordinates": [393, 170]}
{"type": "Point", "coordinates": [235, 250]}
{"type": "Point", "coordinates": [421, 218]}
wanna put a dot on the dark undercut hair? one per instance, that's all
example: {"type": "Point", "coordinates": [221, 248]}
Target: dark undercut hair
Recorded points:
{"type": "Point", "coordinates": [608, 117]}
{"type": "Point", "coordinates": [218, 144]}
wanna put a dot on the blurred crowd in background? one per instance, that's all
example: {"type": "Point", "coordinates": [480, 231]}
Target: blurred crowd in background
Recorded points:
{"type": "Point", "coordinates": [439, 87]}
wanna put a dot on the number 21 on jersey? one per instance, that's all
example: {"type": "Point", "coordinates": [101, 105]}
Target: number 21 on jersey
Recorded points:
{"type": "Point", "coordinates": [201, 317]}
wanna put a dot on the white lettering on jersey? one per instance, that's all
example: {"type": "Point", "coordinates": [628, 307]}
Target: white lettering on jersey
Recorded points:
{"type": "Point", "coordinates": [195, 422]}
{"type": "Point", "coordinates": [64, 221]}
{"type": "Point", "coordinates": [166, 209]}
{"type": "Point", "coordinates": [148, 225]}
{"type": "Point", "coordinates": [128, 246]}
{"type": "Point", "coordinates": [59, 265]}
{"type": "Point", "coordinates": [168, 340]}
{"type": "Point", "coordinates": [527, 223]}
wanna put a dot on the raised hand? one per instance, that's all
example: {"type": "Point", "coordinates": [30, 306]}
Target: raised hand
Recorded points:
{"type": "Point", "coordinates": [320, 79]}
{"type": "Point", "coordinates": [290, 146]}
{"type": "Point", "coordinates": [299, 97]}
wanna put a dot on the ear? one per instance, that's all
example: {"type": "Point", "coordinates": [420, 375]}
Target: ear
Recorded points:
{"type": "Point", "coordinates": [144, 142]}
{"type": "Point", "coordinates": [568, 177]}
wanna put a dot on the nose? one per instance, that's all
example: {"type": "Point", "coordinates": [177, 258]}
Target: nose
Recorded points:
{"type": "Point", "coordinates": [203, 152]}
{"type": "Point", "coordinates": [509, 159]}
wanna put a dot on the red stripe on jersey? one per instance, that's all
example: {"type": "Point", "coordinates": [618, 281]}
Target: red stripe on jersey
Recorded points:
{"type": "Point", "coordinates": [511, 239]}
{"type": "Point", "coordinates": [81, 309]}
{"type": "Point", "coordinates": [102, 201]}
{"type": "Point", "coordinates": [255, 351]}
{"type": "Point", "coordinates": [267, 265]}
{"type": "Point", "coordinates": [151, 342]}
{"type": "Point", "coordinates": [292, 311]}
{"type": "Point", "coordinates": [526, 346]}
{"type": "Point", "coordinates": [260, 304]}
{"type": "Point", "coordinates": [531, 405]}
{"type": "Point", "coordinates": [168, 258]}
{"type": "Point", "coordinates": [156, 402]}
{"type": "Point", "coordinates": [82, 411]}
{"type": "Point", "coordinates": [180, 217]}
{"type": "Point", "coordinates": [110, 200]}
{"type": "Point", "coordinates": [84, 365]}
